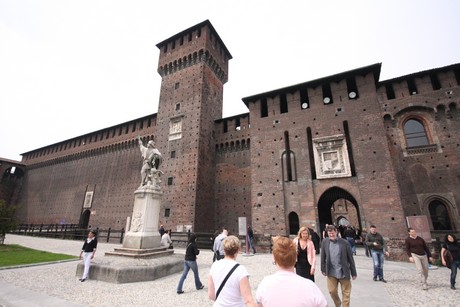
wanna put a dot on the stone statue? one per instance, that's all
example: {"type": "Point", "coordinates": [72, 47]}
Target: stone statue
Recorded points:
{"type": "Point", "coordinates": [151, 161]}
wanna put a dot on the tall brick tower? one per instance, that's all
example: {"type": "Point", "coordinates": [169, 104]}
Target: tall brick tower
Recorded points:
{"type": "Point", "coordinates": [193, 65]}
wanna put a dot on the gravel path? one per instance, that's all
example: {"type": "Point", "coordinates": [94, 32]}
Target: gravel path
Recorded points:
{"type": "Point", "coordinates": [45, 283]}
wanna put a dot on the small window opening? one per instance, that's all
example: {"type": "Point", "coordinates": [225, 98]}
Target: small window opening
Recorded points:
{"type": "Point", "coordinates": [327, 94]}
{"type": "Point", "coordinates": [390, 91]}
{"type": "Point", "coordinates": [283, 104]}
{"type": "Point", "coordinates": [167, 212]}
{"type": "Point", "coordinates": [173, 154]}
{"type": "Point", "coordinates": [263, 107]}
{"type": "Point", "coordinates": [237, 124]}
{"type": "Point", "coordinates": [457, 75]}
{"type": "Point", "coordinates": [435, 82]}
{"type": "Point", "coordinates": [304, 101]}
{"type": "Point", "coordinates": [170, 180]}
{"type": "Point", "coordinates": [352, 88]}
{"type": "Point", "coordinates": [411, 86]}
{"type": "Point", "coordinates": [177, 106]}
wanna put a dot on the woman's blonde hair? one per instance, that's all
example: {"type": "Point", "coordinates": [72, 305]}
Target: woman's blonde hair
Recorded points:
{"type": "Point", "coordinates": [231, 245]}
{"type": "Point", "coordinates": [302, 229]}
{"type": "Point", "coordinates": [284, 251]}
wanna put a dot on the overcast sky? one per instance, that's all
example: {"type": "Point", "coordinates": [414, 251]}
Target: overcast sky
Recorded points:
{"type": "Point", "coordinates": [68, 68]}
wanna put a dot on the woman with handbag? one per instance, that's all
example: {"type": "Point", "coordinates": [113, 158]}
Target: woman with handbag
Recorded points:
{"type": "Point", "coordinates": [450, 257]}
{"type": "Point", "coordinates": [230, 278]}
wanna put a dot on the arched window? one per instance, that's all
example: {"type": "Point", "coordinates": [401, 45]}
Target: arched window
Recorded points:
{"type": "Point", "coordinates": [289, 166]}
{"type": "Point", "coordinates": [439, 215]}
{"type": "Point", "coordinates": [415, 133]}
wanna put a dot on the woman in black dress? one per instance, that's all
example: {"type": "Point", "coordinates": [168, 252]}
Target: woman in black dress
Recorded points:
{"type": "Point", "coordinates": [306, 254]}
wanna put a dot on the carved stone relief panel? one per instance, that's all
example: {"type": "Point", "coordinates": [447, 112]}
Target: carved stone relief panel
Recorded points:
{"type": "Point", "coordinates": [331, 157]}
{"type": "Point", "coordinates": [175, 128]}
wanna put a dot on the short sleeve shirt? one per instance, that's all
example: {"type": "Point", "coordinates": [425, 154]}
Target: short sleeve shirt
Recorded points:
{"type": "Point", "coordinates": [230, 295]}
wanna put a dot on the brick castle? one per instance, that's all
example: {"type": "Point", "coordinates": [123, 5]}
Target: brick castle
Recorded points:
{"type": "Point", "coordinates": [346, 148]}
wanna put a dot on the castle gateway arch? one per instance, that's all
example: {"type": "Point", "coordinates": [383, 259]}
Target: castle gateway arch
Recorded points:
{"type": "Point", "coordinates": [339, 207]}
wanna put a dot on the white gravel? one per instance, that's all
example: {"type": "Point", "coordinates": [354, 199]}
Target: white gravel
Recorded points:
{"type": "Point", "coordinates": [59, 281]}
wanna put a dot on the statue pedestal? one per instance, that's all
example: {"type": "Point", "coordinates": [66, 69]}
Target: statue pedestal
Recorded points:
{"type": "Point", "coordinates": [143, 233]}
{"type": "Point", "coordinates": [141, 258]}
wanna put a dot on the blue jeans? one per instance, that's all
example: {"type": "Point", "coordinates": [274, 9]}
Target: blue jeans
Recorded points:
{"type": "Point", "coordinates": [377, 259]}
{"type": "Point", "coordinates": [188, 264]}
{"type": "Point", "coordinates": [453, 272]}
{"type": "Point", "coordinates": [352, 244]}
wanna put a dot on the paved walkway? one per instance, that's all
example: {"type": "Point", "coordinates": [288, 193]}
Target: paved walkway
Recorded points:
{"type": "Point", "coordinates": [56, 284]}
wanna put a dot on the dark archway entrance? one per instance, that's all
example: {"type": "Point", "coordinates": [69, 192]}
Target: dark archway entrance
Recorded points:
{"type": "Point", "coordinates": [84, 219]}
{"type": "Point", "coordinates": [326, 208]}
{"type": "Point", "coordinates": [293, 223]}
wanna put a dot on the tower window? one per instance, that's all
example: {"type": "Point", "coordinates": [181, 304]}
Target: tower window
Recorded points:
{"type": "Point", "coordinates": [263, 108]}
{"type": "Point", "coordinates": [327, 94]}
{"type": "Point", "coordinates": [352, 88]}
{"type": "Point", "coordinates": [390, 91]}
{"type": "Point", "coordinates": [177, 106]}
{"type": "Point", "coordinates": [283, 104]}
{"type": "Point", "coordinates": [411, 86]}
{"type": "Point", "coordinates": [173, 154]}
{"type": "Point", "coordinates": [435, 82]}
{"type": "Point", "coordinates": [170, 180]}
{"type": "Point", "coordinates": [176, 86]}
{"type": "Point", "coordinates": [415, 134]}
{"type": "Point", "coordinates": [304, 101]}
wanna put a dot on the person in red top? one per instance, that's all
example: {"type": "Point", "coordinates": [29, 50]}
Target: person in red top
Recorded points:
{"type": "Point", "coordinates": [417, 250]}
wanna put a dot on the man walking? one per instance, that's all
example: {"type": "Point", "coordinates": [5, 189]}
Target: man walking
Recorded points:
{"type": "Point", "coordinates": [218, 247]}
{"type": "Point", "coordinates": [374, 241]}
{"type": "Point", "coordinates": [350, 235]}
{"type": "Point", "coordinates": [418, 252]}
{"type": "Point", "coordinates": [338, 265]}
{"type": "Point", "coordinates": [251, 239]}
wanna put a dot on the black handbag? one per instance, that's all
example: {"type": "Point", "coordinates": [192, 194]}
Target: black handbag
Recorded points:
{"type": "Point", "coordinates": [448, 258]}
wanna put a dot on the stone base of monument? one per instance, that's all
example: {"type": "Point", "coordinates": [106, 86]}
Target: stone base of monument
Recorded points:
{"type": "Point", "coordinates": [145, 253]}
{"type": "Point", "coordinates": [116, 269]}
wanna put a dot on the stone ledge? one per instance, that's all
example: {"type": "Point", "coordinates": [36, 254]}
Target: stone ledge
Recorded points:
{"type": "Point", "coordinates": [126, 270]}
{"type": "Point", "coordinates": [141, 253]}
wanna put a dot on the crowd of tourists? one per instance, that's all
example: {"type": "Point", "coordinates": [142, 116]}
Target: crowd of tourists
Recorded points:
{"type": "Point", "coordinates": [295, 260]}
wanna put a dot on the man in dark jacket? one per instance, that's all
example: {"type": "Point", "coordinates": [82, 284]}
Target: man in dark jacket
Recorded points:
{"type": "Point", "coordinates": [315, 238]}
{"type": "Point", "coordinates": [338, 265]}
{"type": "Point", "coordinates": [374, 241]}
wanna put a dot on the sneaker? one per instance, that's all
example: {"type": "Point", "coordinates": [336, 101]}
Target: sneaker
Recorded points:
{"type": "Point", "coordinates": [452, 287]}
{"type": "Point", "coordinates": [425, 287]}
{"type": "Point", "coordinates": [202, 286]}
{"type": "Point", "coordinates": [375, 278]}
{"type": "Point", "coordinates": [382, 280]}
{"type": "Point", "coordinates": [83, 279]}
{"type": "Point", "coordinates": [180, 292]}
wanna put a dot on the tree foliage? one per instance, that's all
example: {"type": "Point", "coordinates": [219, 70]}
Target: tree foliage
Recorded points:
{"type": "Point", "coordinates": [7, 221]}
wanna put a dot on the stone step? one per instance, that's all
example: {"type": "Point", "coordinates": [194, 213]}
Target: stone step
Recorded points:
{"type": "Point", "coordinates": [141, 253]}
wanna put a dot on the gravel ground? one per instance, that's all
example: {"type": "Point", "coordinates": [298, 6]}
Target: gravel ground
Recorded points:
{"type": "Point", "coordinates": [59, 281]}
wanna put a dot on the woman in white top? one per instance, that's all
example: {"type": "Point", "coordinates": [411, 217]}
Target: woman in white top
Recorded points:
{"type": "Point", "coordinates": [166, 239]}
{"type": "Point", "coordinates": [236, 291]}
